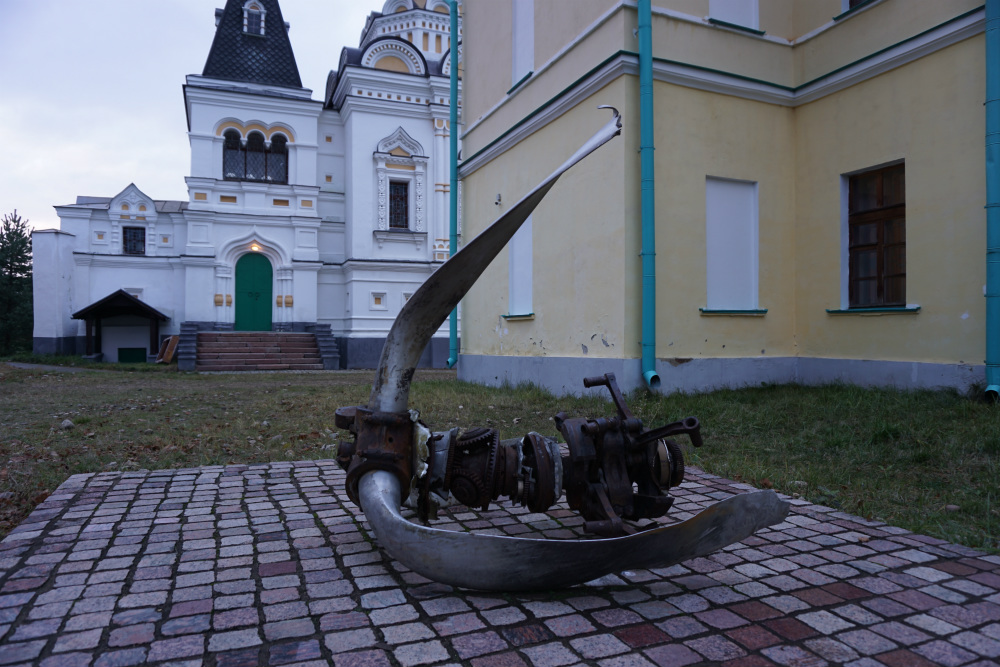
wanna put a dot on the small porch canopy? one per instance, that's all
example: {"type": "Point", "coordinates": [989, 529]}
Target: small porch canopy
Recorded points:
{"type": "Point", "coordinates": [113, 305]}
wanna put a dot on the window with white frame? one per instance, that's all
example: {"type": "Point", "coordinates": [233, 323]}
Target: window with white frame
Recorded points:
{"type": "Point", "coordinates": [134, 240]}
{"type": "Point", "coordinates": [737, 12]}
{"type": "Point", "coordinates": [731, 244]}
{"type": "Point", "coordinates": [400, 189]}
{"type": "Point", "coordinates": [519, 271]}
{"type": "Point", "coordinates": [254, 16]}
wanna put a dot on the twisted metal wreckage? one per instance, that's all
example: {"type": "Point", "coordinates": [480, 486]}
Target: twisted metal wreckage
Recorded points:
{"type": "Point", "coordinates": [616, 469]}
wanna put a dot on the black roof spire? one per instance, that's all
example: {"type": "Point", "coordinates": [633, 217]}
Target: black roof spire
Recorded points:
{"type": "Point", "coordinates": [240, 53]}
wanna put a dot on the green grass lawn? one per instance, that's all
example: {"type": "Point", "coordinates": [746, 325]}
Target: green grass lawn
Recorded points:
{"type": "Point", "coordinates": [908, 458]}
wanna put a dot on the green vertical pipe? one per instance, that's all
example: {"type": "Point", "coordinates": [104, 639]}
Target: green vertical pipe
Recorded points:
{"type": "Point", "coordinates": [648, 201]}
{"type": "Point", "coordinates": [993, 198]}
{"type": "Point", "coordinates": [453, 190]}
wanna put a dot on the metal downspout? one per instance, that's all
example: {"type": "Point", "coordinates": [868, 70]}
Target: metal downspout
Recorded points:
{"type": "Point", "coordinates": [993, 198]}
{"type": "Point", "coordinates": [453, 190]}
{"type": "Point", "coordinates": [648, 200]}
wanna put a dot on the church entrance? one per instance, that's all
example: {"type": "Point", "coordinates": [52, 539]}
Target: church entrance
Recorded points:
{"type": "Point", "coordinates": [253, 293]}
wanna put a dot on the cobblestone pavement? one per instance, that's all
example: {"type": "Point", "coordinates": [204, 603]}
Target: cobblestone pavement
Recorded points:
{"type": "Point", "coordinates": [272, 565]}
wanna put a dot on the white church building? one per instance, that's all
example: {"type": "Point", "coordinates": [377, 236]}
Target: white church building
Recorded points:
{"type": "Point", "coordinates": [302, 215]}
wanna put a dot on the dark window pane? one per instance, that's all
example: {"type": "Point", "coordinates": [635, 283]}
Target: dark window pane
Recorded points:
{"type": "Point", "coordinates": [895, 291]}
{"type": "Point", "coordinates": [865, 264]}
{"type": "Point", "coordinates": [256, 166]}
{"type": "Point", "coordinates": [864, 234]}
{"type": "Point", "coordinates": [893, 186]}
{"type": "Point", "coordinates": [864, 192]}
{"type": "Point", "coordinates": [277, 160]}
{"type": "Point", "coordinates": [134, 240]}
{"type": "Point", "coordinates": [895, 230]}
{"type": "Point", "coordinates": [253, 22]}
{"type": "Point", "coordinates": [399, 205]}
{"type": "Point", "coordinates": [232, 157]}
{"type": "Point", "coordinates": [895, 261]}
{"type": "Point", "coordinates": [866, 293]}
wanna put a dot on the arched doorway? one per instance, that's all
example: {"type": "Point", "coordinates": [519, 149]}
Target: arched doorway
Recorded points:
{"type": "Point", "coordinates": [253, 293]}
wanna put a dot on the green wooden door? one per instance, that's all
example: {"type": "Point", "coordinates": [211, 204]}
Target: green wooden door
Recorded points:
{"type": "Point", "coordinates": [253, 293]}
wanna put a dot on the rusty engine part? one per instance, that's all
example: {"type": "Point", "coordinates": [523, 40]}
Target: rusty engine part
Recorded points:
{"type": "Point", "coordinates": [615, 469]}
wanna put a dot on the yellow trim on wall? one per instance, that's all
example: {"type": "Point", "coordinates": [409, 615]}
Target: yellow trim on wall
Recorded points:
{"type": "Point", "coordinates": [391, 64]}
{"type": "Point", "coordinates": [246, 129]}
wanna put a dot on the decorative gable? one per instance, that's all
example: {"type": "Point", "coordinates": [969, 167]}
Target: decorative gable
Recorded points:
{"type": "Point", "coordinates": [400, 141]}
{"type": "Point", "coordinates": [131, 204]}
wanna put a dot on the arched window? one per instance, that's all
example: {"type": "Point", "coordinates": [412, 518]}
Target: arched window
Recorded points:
{"type": "Point", "coordinates": [233, 163]}
{"type": "Point", "coordinates": [277, 159]}
{"type": "Point", "coordinates": [253, 18]}
{"type": "Point", "coordinates": [256, 161]}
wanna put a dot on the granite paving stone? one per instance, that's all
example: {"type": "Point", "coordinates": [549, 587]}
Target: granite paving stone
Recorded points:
{"type": "Point", "coordinates": [239, 566]}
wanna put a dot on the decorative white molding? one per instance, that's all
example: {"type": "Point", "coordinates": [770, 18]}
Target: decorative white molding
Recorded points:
{"type": "Point", "coordinates": [419, 203]}
{"type": "Point", "coordinates": [398, 48]}
{"type": "Point", "coordinates": [411, 168]}
{"type": "Point", "coordinates": [382, 211]}
{"type": "Point", "coordinates": [403, 236]}
{"type": "Point", "coordinates": [134, 198]}
{"type": "Point", "coordinates": [400, 139]}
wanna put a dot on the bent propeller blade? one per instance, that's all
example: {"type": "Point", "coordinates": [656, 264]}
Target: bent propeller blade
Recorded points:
{"type": "Point", "coordinates": [430, 305]}
{"type": "Point", "coordinates": [498, 563]}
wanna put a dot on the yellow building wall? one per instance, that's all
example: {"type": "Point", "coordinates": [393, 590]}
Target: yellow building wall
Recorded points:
{"type": "Point", "coordinates": [586, 232]}
{"type": "Point", "coordinates": [909, 113]}
{"type": "Point", "coordinates": [559, 22]}
{"type": "Point", "coordinates": [884, 24]}
{"type": "Point", "coordinates": [606, 40]}
{"type": "Point", "coordinates": [700, 134]}
{"type": "Point", "coordinates": [583, 246]}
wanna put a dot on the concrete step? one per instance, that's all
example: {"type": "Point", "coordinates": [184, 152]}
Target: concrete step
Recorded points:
{"type": "Point", "coordinates": [263, 351]}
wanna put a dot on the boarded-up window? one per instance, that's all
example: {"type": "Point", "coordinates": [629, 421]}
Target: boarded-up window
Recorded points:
{"type": "Point", "coordinates": [731, 244]}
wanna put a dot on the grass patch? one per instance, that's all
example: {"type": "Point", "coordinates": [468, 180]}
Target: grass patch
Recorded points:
{"type": "Point", "coordinates": [902, 457]}
{"type": "Point", "coordinates": [73, 361]}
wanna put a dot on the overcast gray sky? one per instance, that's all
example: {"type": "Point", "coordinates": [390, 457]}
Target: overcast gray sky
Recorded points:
{"type": "Point", "coordinates": [90, 92]}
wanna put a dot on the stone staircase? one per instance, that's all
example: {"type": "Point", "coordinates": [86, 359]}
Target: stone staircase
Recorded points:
{"type": "Point", "coordinates": [257, 351]}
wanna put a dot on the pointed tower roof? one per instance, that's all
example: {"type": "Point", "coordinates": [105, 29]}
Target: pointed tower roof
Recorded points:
{"type": "Point", "coordinates": [251, 44]}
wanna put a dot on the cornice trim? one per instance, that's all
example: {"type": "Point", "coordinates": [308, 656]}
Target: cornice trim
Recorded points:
{"type": "Point", "coordinates": [702, 78]}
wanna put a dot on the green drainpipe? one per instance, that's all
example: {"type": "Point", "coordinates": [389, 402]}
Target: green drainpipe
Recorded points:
{"type": "Point", "coordinates": [648, 201]}
{"type": "Point", "coordinates": [453, 192]}
{"type": "Point", "coordinates": [993, 198]}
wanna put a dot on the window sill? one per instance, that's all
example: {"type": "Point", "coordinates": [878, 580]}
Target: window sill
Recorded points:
{"type": "Point", "coordinates": [892, 310]}
{"type": "Point", "coordinates": [519, 318]}
{"type": "Point", "coordinates": [753, 312]}
{"type": "Point", "coordinates": [855, 9]}
{"type": "Point", "coordinates": [400, 236]}
{"type": "Point", "coordinates": [736, 26]}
